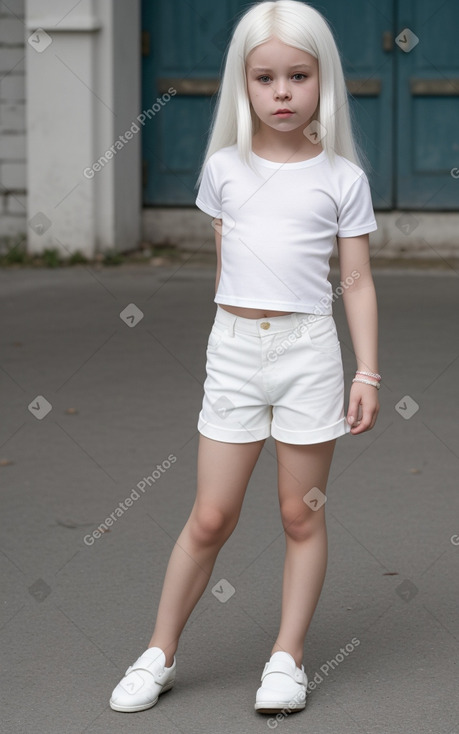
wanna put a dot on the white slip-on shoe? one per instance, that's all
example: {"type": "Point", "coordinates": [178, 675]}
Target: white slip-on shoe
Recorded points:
{"type": "Point", "coordinates": [143, 682]}
{"type": "Point", "coordinates": [283, 686]}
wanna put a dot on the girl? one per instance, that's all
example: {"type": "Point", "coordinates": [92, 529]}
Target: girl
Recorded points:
{"type": "Point", "coordinates": [282, 179]}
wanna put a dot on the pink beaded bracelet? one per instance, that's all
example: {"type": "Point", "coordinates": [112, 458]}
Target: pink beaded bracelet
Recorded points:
{"type": "Point", "coordinates": [368, 374]}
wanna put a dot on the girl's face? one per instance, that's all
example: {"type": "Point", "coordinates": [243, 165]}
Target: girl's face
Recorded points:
{"type": "Point", "coordinates": [281, 77]}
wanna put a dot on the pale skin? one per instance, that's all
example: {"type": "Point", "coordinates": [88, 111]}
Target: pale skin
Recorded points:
{"type": "Point", "coordinates": [278, 77]}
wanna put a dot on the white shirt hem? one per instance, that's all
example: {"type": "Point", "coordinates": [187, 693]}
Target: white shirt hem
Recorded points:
{"type": "Point", "coordinates": [293, 306]}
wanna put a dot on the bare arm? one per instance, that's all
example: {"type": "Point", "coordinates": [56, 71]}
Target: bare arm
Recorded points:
{"type": "Point", "coordinates": [217, 224]}
{"type": "Point", "coordinates": [360, 305]}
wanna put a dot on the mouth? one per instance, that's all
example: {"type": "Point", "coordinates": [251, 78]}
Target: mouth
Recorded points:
{"type": "Point", "coordinates": [283, 113]}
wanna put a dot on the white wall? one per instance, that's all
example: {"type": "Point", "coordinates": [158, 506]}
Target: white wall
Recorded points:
{"type": "Point", "coordinates": [83, 92]}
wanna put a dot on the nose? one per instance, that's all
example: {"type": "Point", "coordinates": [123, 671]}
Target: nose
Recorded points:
{"type": "Point", "coordinates": [282, 90]}
{"type": "Point", "coordinates": [283, 93]}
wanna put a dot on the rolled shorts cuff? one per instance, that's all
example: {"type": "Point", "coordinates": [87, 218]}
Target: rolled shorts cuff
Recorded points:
{"type": "Point", "coordinates": [232, 435]}
{"type": "Point", "coordinates": [335, 430]}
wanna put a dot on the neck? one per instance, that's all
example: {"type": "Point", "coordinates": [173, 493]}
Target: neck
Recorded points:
{"type": "Point", "coordinates": [288, 145]}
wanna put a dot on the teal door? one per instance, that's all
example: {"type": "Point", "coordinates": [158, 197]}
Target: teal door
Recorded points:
{"type": "Point", "coordinates": [365, 39]}
{"type": "Point", "coordinates": [183, 45]}
{"type": "Point", "coordinates": [427, 106]}
{"type": "Point", "coordinates": [401, 62]}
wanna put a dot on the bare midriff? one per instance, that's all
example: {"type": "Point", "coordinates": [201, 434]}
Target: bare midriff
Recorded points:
{"type": "Point", "coordinates": [252, 313]}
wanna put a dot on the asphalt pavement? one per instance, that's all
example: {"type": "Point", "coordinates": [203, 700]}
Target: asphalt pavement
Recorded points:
{"type": "Point", "coordinates": [101, 373]}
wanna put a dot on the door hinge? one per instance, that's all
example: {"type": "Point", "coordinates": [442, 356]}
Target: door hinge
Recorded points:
{"type": "Point", "coordinates": [145, 43]}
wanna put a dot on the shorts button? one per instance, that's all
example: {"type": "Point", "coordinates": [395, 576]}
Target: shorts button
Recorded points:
{"type": "Point", "coordinates": [265, 325]}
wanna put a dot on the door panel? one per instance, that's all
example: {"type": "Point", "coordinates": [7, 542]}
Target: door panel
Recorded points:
{"type": "Point", "coordinates": [359, 29]}
{"type": "Point", "coordinates": [428, 106]}
{"type": "Point", "coordinates": [187, 41]}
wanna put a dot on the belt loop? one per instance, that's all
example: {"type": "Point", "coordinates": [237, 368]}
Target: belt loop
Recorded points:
{"type": "Point", "coordinates": [231, 326]}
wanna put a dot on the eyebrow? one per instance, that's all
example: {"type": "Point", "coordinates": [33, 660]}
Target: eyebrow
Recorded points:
{"type": "Point", "coordinates": [296, 66]}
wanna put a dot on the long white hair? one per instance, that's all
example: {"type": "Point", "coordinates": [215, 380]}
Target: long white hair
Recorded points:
{"type": "Point", "coordinates": [296, 24]}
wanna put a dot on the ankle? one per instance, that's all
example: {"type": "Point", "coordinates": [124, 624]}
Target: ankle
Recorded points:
{"type": "Point", "coordinates": [296, 654]}
{"type": "Point", "coordinates": [169, 652]}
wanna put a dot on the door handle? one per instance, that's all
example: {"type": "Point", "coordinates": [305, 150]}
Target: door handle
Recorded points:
{"type": "Point", "coordinates": [189, 87]}
{"type": "Point", "coordinates": [434, 87]}
{"type": "Point", "coordinates": [387, 41]}
{"type": "Point", "coordinates": [364, 87]}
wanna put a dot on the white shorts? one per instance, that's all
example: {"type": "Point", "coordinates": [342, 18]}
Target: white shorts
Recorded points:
{"type": "Point", "coordinates": [280, 376]}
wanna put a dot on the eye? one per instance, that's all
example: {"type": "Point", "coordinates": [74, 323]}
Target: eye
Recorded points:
{"type": "Point", "coordinates": [263, 77]}
{"type": "Point", "coordinates": [303, 76]}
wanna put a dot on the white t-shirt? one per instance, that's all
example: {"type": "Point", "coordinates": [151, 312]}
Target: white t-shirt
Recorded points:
{"type": "Point", "coordinates": [279, 228]}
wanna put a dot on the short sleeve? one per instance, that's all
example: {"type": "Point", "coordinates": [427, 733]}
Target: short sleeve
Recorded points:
{"type": "Point", "coordinates": [208, 198]}
{"type": "Point", "coordinates": [356, 215]}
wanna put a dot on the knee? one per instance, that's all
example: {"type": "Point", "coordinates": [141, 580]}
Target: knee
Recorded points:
{"type": "Point", "coordinates": [210, 525]}
{"type": "Point", "coordinates": [299, 521]}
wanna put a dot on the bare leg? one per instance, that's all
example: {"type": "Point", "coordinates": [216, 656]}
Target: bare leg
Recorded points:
{"type": "Point", "coordinates": [300, 469]}
{"type": "Point", "coordinates": [224, 470]}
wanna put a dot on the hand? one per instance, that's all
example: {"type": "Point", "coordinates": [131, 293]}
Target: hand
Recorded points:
{"type": "Point", "coordinates": [363, 407]}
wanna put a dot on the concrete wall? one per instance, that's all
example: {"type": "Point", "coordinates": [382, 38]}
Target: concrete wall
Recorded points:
{"type": "Point", "coordinates": [422, 235]}
{"type": "Point", "coordinates": [12, 122]}
{"type": "Point", "coordinates": [83, 92]}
